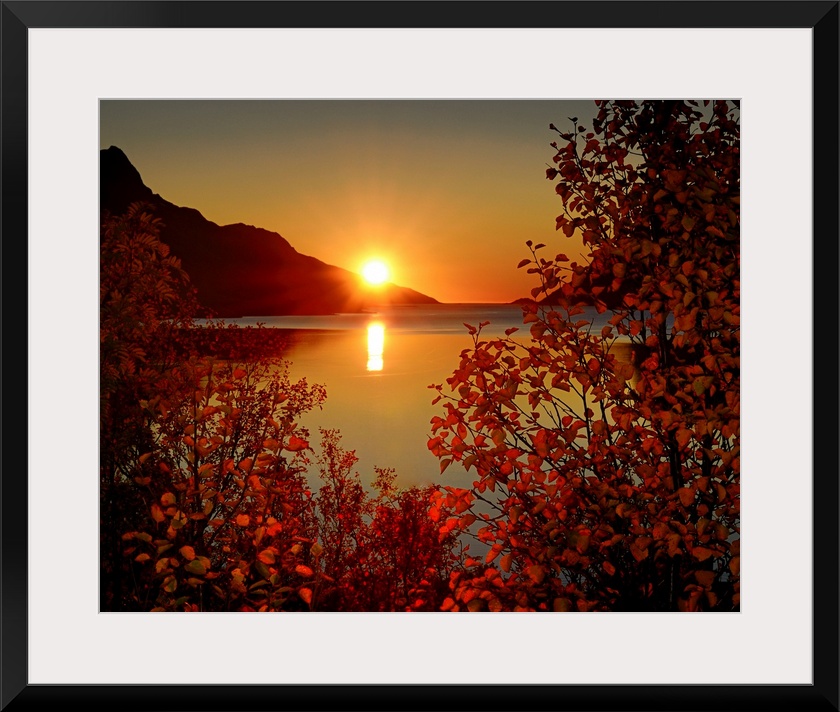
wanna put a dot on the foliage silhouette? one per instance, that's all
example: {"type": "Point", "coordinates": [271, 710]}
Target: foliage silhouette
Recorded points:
{"type": "Point", "coordinates": [607, 483]}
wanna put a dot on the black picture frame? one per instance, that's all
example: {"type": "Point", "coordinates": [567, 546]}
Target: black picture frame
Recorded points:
{"type": "Point", "coordinates": [20, 15]}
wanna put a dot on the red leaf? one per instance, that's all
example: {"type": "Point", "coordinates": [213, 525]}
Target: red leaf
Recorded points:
{"type": "Point", "coordinates": [266, 556]}
{"type": "Point", "coordinates": [701, 553]}
{"type": "Point", "coordinates": [686, 495]}
{"type": "Point", "coordinates": [295, 444]}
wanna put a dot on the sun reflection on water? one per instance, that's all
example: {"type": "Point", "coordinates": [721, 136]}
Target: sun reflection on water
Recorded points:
{"type": "Point", "coordinates": [376, 346]}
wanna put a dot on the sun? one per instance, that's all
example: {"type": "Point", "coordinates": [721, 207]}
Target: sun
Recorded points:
{"type": "Point", "coordinates": [375, 272]}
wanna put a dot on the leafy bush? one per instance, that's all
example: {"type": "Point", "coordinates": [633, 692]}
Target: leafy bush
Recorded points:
{"type": "Point", "coordinates": [607, 483]}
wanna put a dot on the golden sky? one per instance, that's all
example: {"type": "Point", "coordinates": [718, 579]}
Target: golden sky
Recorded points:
{"type": "Point", "coordinates": [445, 192]}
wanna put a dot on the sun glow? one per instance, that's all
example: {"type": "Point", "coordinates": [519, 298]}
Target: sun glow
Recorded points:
{"type": "Point", "coordinates": [375, 272]}
{"type": "Point", "coordinates": [376, 346]}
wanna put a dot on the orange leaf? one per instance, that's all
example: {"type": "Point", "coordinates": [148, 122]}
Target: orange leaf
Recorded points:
{"type": "Point", "coordinates": [686, 495]}
{"type": "Point", "coordinates": [157, 513]}
{"type": "Point", "coordinates": [296, 444]}
{"type": "Point", "coordinates": [243, 520]}
{"type": "Point", "coordinates": [705, 578]}
{"type": "Point", "coordinates": [187, 552]}
{"type": "Point", "coordinates": [304, 571]}
{"type": "Point", "coordinates": [537, 573]}
{"type": "Point", "coordinates": [266, 556]}
{"type": "Point", "coordinates": [701, 553]}
{"type": "Point", "coordinates": [683, 436]}
{"type": "Point", "coordinates": [305, 594]}
{"type": "Point", "coordinates": [505, 562]}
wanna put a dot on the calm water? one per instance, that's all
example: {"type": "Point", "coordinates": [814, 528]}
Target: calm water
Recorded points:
{"type": "Point", "coordinates": [377, 369]}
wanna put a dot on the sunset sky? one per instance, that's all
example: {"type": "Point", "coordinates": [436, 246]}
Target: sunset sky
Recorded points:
{"type": "Point", "coordinates": [444, 192]}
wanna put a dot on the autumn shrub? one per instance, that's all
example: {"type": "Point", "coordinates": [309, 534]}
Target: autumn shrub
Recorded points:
{"type": "Point", "coordinates": [228, 509]}
{"type": "Point", "coordinates": [145, 303]}
{"type": "Point", "coordinates": [606, 483]}
{"type": "Point", "coordinates": [381, 549]}
{"type": "Point", "coordinates": [202, 490]}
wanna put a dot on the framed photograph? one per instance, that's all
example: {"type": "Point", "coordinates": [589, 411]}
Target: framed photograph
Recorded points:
{"type": "Point", "coordinates": [455, 105]}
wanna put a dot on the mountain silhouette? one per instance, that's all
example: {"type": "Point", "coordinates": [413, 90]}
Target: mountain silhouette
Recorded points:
{"type": "Point", "coordinates": [241, 270]}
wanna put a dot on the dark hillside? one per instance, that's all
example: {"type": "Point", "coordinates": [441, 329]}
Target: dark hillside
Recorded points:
{"type": "Point", "coordinates": [242, 270]}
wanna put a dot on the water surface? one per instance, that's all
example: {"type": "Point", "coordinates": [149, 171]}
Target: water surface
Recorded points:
{"type": "Point", "coordinates": [377, 369]}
